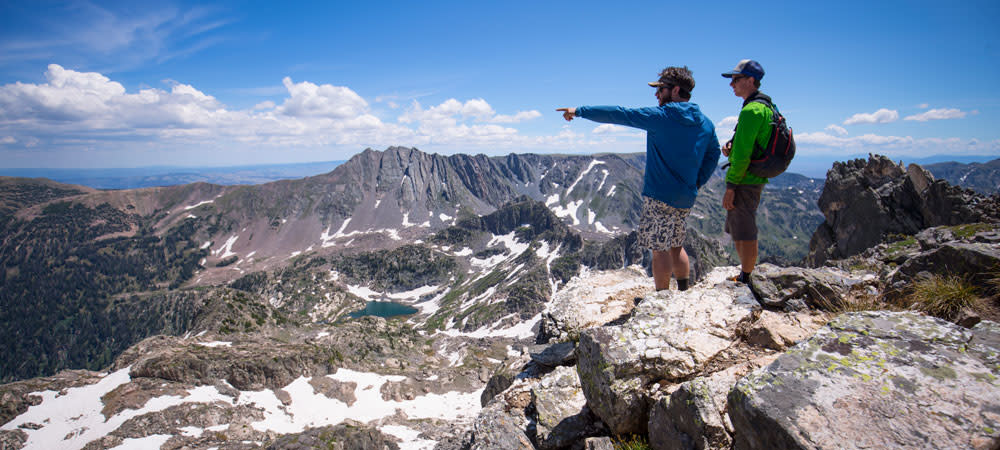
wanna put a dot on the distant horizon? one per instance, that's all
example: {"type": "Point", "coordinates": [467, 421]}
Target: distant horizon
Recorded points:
{"type": "Point", "coordinates": [809, 165]}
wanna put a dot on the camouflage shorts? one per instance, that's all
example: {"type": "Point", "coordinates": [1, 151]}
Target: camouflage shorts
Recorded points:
{"type": "Point", "coordinates": [661, 226]}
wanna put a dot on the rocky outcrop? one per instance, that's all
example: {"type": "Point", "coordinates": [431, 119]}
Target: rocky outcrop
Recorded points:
{"type": "Point", "coordinates": [597, 299]}
{"type": "Point", "coordinates": [338, 437]}
{"type": "Point", "coordinates": [670, 337]}
{"type": "Point", "coordinates": [925, 382]}
{"type": "Point", "coordinates": [563, 417]}
{"type": "Point", "coordinates": [865, 201]}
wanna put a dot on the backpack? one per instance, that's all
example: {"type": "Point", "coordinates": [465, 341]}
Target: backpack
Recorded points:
{"type": "Point", "coordinates": [772, 161]}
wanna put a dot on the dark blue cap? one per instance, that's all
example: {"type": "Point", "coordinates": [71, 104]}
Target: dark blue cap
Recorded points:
{"type": "Point", "coordinates": [747, 67]}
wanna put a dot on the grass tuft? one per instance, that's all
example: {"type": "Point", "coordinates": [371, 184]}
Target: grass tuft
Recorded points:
{"type": "Point", "coordinates": [944, 296]}
{"type": "Point", "coordinates": [632, 442]}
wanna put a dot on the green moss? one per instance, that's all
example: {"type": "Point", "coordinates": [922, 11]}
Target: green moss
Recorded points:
{"type": "Point", "coordinates": [940, 373]}
{"type": "Point", "coordinates": [970, 229]}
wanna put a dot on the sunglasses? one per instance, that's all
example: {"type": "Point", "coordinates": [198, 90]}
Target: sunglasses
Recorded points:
{"type": "Point", "coordinates": [738, 77]}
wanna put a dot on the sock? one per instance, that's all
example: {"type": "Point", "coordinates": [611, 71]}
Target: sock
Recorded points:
{"type": "Point", "coordinates": [682, 284]}
{"type": "Point", "coordinates": [744, 277]}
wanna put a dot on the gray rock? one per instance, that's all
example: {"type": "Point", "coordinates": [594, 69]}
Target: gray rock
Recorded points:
{"type": "Point", "coordinates": [593, 301]}
{"type": "Point", "coordinates": [671, 336]}
{"type": "Point", "coordinates": [497, 429]}
{"type": "Point", "coordinates": [687, 419]}
{"type": "Point", "coordinates": [561, 354]}
{"type": "Point", "coordinates": [504, 376]}
{"type": "Point", "coordinates": [825, 287]}
{"type": "Point", "coordinates": [923, 381]}
{"type": "Point", "coordinates": [694, 415]}
{"type": "Point", "coordinates": [563, 417]}
{"type": "Point", "coordinates": [864, 201]}
{"type": "Point", "coordinates": [598, 443]}
{"type": "Point", "coordinates": [976, 260]}
{"type": "Point", "coordinates": [778, 331]}
{"type": "Point", "coordinates": [337, 437]}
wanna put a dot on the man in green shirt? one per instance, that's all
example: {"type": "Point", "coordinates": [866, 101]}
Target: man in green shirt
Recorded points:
{"type": "Point", "coordinates": [743, 189]}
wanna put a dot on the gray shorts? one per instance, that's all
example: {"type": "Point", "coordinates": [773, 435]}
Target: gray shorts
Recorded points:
{"type": "Point", "coordinates": [661, 226]}
{"type": "Point", "coordinates": [741, 221]}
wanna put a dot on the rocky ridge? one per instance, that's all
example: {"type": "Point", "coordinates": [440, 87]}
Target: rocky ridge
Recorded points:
{"type": "Point", "coordinates": [865, 202]}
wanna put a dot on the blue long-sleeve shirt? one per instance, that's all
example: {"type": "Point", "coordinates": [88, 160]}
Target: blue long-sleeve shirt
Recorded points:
{"type": "Point", "coordinates": [682, 148]}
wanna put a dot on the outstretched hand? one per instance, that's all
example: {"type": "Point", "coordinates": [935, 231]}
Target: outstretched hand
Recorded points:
{"type": "Point", "coordinates": [568, 113]}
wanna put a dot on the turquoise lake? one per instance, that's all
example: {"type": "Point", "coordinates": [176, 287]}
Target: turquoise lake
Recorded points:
{"type": "Point", "coordinates": [383, 309]}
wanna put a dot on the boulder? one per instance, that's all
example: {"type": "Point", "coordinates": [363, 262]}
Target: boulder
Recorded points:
{"type": "Point", "coordinates": [671, 336]}
{"type": "Point", "coordinates": [974, 260]}
{"type": "Point", "coordinates": [497, 429]}
{"type": "Point", "coordinates": [694, 414]}
{"type": "Point", "coordinates": [561, 354]}
{"type": "Point", "coordinates": [592, 301]}
{"type": "Point", "coordinates": [563, 416]}
{"type": "Point", "coordinates": [598, 443]}
{"type": "Point", "coordinates": [825, 287]}
{"type": "Point", "coordinates": [504, 376]}
{"type": "Point", "coordinates": [923, 381]}
{"type": "Point", "coordinates": [778, 331]}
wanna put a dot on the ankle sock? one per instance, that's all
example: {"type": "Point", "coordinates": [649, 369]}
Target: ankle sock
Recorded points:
{"type": "Point", "coordinates": [682, 284]}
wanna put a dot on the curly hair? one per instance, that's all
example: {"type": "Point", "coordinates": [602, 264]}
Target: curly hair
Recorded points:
{"type": "Point", "coordinates": [680, 77]}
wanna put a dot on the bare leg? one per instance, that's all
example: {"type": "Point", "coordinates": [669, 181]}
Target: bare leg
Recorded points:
{"type": "Point", "coordinates": [662, 267]}
{"type": "Point", "coordinates": [674, 261]}
{"type": "Point", "coordinates": [747, 251]}
{"type": "Point", "coordinates": [681, 265]}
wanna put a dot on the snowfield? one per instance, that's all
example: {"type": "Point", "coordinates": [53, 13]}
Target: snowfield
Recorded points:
{"type": "Point", "coordinates": [72, 420]}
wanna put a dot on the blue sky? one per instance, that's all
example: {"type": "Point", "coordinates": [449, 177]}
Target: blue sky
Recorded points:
{"type": "Point", "coordinates": [116, 84]}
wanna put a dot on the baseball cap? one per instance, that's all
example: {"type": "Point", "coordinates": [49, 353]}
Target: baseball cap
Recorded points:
{"type": "Point", "coordinates": [746, 67]}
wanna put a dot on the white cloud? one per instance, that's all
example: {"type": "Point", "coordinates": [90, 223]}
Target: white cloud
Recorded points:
{"type": "Point", "coordinates": [901, 145]}
{"type": "Point", "coordinates": [516, 118]}
{"type": "Point", "coordinates": [264, 105]}
{"type": "Point", "coordinates": [923, 106]}
{"type": "Point", "coordinates": [607, 128]}
{"type": "Point", "coordinates": [835, 129]}
{"type": "Point", "coordinates": [937, 114]}
{"type": "Point", "coordinates": [728, 123]}
{"type": "Point", "coordinates": [311, 100]}
{"type": "Point", "coordinates": [8, 140]}
{"type": "Point", "coordinates": [881, 116]}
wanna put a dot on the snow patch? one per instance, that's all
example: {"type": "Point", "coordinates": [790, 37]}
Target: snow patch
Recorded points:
{"type": "Point", "coordinates": [215, 344]}
{"type": "Point", "coordinates": [227, 248]}
{"type": "Point", "coordinates": [583, 174]}
{"type": "Point", "coordinates": [522, 330]}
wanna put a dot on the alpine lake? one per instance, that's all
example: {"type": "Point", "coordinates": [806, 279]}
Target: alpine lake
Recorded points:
{"type": "Point", "coordinates": [383, 309]}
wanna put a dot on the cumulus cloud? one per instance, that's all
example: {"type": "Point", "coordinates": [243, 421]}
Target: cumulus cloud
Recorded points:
{"type": "Point", "coordinates": [889, 145]}
{"type": "Point", "coordinates": [612, 129]}
{"type": "Point", "coordinates": [728, 122]}
{"type": "Point", "coordinates": [311, 100]}
{"type": "Point", "coordinates": [881, 116]}
{"type": "Point", "coordinates": [937, 114]}
{"type": "Point", "coordinates": [835, 129]}
{"type": "Point", "coordinates": [264, 105]}
{"type": "Point", "coordinates": [521, 116]}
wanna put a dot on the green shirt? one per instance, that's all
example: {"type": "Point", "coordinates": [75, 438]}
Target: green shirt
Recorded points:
{"type": "Point", "coordinates": [754, 125]}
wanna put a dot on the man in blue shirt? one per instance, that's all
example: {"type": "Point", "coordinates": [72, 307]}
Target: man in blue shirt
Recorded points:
{"type": "Point", "coordinates": [682, 150]}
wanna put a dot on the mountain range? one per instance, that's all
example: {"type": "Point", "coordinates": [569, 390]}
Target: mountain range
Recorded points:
{"type": "Point", "coordinates": [247, 289]}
